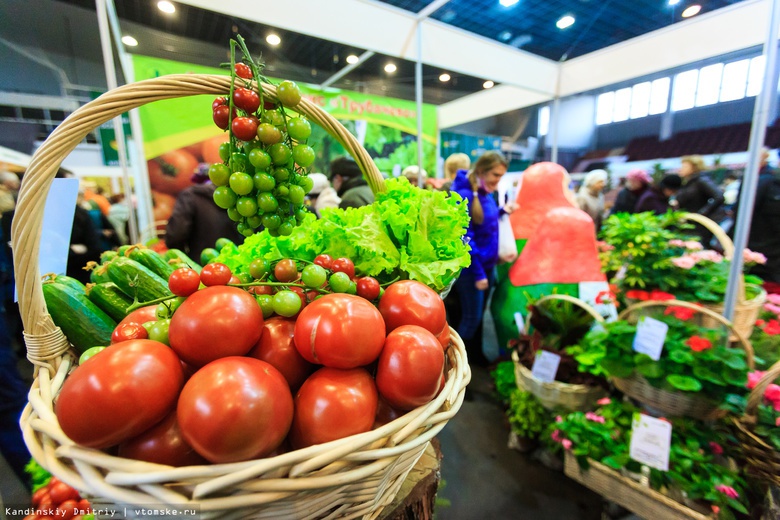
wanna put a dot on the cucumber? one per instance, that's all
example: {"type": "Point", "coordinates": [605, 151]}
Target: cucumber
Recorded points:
{"type": "Point", "coordinates": [122, 250]}
{"type": "Point", "coordinates": [97, 273]}
{"type": "Point", "coordinates": [152, 260]}
{"type": "Point", "coordinates": [178, 254]}
{"type": "Point", "coordinates": [67, 280]}
{"type": "Point", "coordinates": [110, 300]}
{"type": "Point", "coordinates": [135, 280]}
{"type": "Point", "coordinates": [84, 324]}
{"type": "Point", "coordinates": [107, 256]}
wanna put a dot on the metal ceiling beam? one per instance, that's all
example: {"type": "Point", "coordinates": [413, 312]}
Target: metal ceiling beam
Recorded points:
{"type": "Point", "coordinates": [346, 70]}
{"type": "Point", "coordinates": [431, 8]}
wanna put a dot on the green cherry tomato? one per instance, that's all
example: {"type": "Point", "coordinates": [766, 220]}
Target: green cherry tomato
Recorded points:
{"type": "Point", "coordinates": [314, 275]}
{"type": "Point", "coordinates": [296, 195]}
{"type": "Point", "coordinates": [282, 191]}
{"type": "Point", "coordinates": [208, 255]}
{"type": "Point", "coordinates": [266, 303]}
{"type": "Point", "coordinates": [219, 174]}
{"type": "Point", "coordinates": [224, 151]}
{"type": "Point", "coordinates": [280, 153]}
{"type": "Point", "coordinates": [267, 202]}
{"type": "Point", "coordinates": [286, 303]}
{"type": "Point", "coordinates": [271, 222]}
{"type": "Point", "coordinates": [299, 128]}
{"type": "Point", "coordinates": [224, 197]}
{"type": "Point", "coordinates": [259, 267]}
{"type": "Point", "coordinates": [148, 325]}
{"type": "Point", "coordinates": [166, 309]}
{"type": "Point", "coordinates": [300, 214]}
{"type": "Point", "coordinates": [246, 206]}
{"type": "Point", "coordinates": [255, 221]}
{"type": "Point", "coordinates": [303, 154]}
{"type": "Point", "coordinates": [222, 242]}
{"type": "Point", "coordinates": [286, 229]}
{"type": "Point", "coordinates": [159, 331]}
{"type": "Point", "coordinates": [260, 159]}
{"type": "Point", "coordinates": [352, 289]}
{"type": "Point", "coordinates": [339, 282]}
{"type": "Point", "coordinates": [241, 183]}
{"type": "Point", "coordinates": [241, 227]}
{"type": "Point", "coordinates": [268, 133]}
{"type": "Point", "coordinates": [238, 162]}
{"type": "Point", "coordinates": [288, 93]}
{"type": "Point", "coordinates": [305, 182]}
{"type": "Point", "coordinates": [281, 174]}
{"type": "Point", "coordinates": [90, 352]}
{"type": "Point", "coordinates": [234, 215]}
{"type": "Point", "coordinates": [264, 182]}
{"type": "Point", "coordinates": [248, 231]}
{"type": "Point", "coordinates": [251, 145]}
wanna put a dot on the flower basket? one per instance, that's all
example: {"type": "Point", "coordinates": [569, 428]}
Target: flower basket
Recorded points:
{"type": "Point", "coordinates": [677, 404]}
{"type": "Point", "coordinates": [572, 397]}
{"type": "Point", "coordinates": [348, 478]}
{"type": "Point", "coordinates": [762, 459]}
{"type": "Point", "coordinates": [632, 495]}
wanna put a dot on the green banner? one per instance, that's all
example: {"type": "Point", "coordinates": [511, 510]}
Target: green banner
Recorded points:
{"type": "Point", "coordinates": [176, 123]}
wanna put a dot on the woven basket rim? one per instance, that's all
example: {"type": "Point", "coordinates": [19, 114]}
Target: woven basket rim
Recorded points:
{"type": "Point", "coordinates": [570, 387]}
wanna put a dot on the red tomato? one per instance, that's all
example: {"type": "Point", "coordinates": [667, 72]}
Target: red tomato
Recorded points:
{"type": "Point", "coordinates": [343, 265]}
{"type": "Point", "coordinates": [67, 509]}
{"type": "Point", "coordinates": [333, 404]}
{"type": "Point", "coordinates": [410, 367]}
{"type": "Point", "coordinates": [40, 495]}
{"type": "Point", "coordinates": [244, 128]}
{"type": "Point", "coordinates": [276, 347]}
{"type": "Point", "coordinates": [172, 171]}
{"type": "Point", "coordinates": [247, 100]}
{"type": "Point", "coordinates": [162, 444]}
{"type": "Point", "coordinates": [215, 322]}
{"type": "Point", "coordinates": [262, 289]}
{"type": "Point", "coordinates": [221, 116]}
{"type": "Point", "coordinates": [286, 270]}
{"type": "Point", "coordinates": [340, 331]}
{"type": "Point", "coordinates": [128, 331]}
{"type": "Point", "coordinates": [325, 261]}
{"type": "Point", "coordinates": [412, 303]}
{"type": "Point", "coordinates": [140, 316]}
{"type": "Point", "coordinates": [184, 281]}
{"type": "Point", "coordinates": [243, 71]}
{"type": "Point", "coordinates": [444, 336]}
{"type": "Point", "coordinates": [215, 274]}
{"type": "Point", "coordinates": [84, 506]}
{"type": "Point", "coordinates": [368, 288]}
{"type": "Point", "coordinates": [234, 280]}
{"type": "Point", "coordinates": [218, 102]}
{"type": "Point", "coordinates": [235, 409]}
{"type": "Point", "coordinates": [120, 393]}
{"type": "Point", "coordinates": [385, 414]}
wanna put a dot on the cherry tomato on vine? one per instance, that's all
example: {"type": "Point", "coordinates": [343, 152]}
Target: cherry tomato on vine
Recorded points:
{"type": "Point", "coordinates": [343, 265]}
{"type": "Point", "coordinates": [288, 93]}
{"type": "Point", "coordinates": [184, 281]}
{"type": "Point", "coordinates": [218, 102]}
{"type": "Point", "coordinates": [215, 274]}
{"type": "Point", "coordinates": [368, 288]}
{"type": "Point", "coordinates": [221, 116]}
{"type": "Point", "coordinates": [299, 128]}
{"type": "Point", "coordinates": [286, 270]}
{"type": "Point", "coordinates": [244, 128]}
{"type": "Point", "coordinates": [243, 71]}
{"type": "Point", "coordinates": [339, 282]}
{"type": "Point", "coordinates": [314, 275]}
{"type": "Point", "coordinates": [323, 260]}
{"type": "Point", "coordinates": [246, 99]}
{"type": "Point", "coordinates": [127, 332]}
{"type": "Point", "coordinates": [268, 133]}
{"type": "Point", "coordinates": [258, 268]}
{"type": "Point", "coordinates": [287, 303]}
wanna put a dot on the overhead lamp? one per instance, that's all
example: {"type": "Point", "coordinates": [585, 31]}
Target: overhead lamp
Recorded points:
{"type": "Point", "coordinates": [166, 7]}
{"type": "Point", "coordinates": [444, 77]}
{"type": "Point", "coordinates": [674, 2]}
{"type": "Point", "coordinates": [352, 59]}
{"type": "Point", "coordinates": [129, 41]}
{"type": "Point", "coordinates": [692, 10]}
{"type": "Point", "coordinates": [390, 68]}
{"type": "Point", "coordinates": [564, 22]}
{"type": "Point", "coordinates": [273, 39]}
{"type": "Point", "coordinates": [504, 36]}
{"type": "Point", "coordinates": [488, 84]}
{"type": "Point", "coordinates": [508, 3]}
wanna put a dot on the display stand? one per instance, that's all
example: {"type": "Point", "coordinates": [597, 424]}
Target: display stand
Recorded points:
{"type": "Point", "coordinates": [417, 497]}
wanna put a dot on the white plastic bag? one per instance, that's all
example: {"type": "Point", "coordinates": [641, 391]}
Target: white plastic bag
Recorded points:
{"type": "Point", "coordinates": [507, 247]}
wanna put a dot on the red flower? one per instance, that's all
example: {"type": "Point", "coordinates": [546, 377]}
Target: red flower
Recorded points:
{"type": "Point", "coordinates": [638, 295]}
{"type": "Point", "coordinates": [772, 328]}
{"type": "Point", "coordinates": [681, 313]}
{"type": "Point", "coordinates": [716, 448]}
{"type": "Point", "coordinates": [760, 323]}
{"type": "Point", "coordinates": [661, 296]}
{"type": "Point", "coordinates": [698, 343]}
{"type": "Point", "coordinates": [605, 297]}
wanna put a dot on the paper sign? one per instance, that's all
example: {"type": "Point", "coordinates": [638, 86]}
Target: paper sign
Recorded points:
{"type": "Point", "coordinates": [598, 296]}
{"type": "Point", "coordinates": [520, 322]}
{"type": "Point", "coordinates": [545, 366]}
{"type": "Point", "coordinates": [651, 439]}
{"type": "Point", "coordinates": [650, 337]}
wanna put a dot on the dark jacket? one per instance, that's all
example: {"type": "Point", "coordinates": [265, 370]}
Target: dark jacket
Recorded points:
{"type": "Point", "coordinates": [197, 223]}
{"type": "Point", "coordinates": [700, 195]}
{"type": "Point", "coordinates": [626, 201]}
{"type": "Point", "coordinates": [483, 238]}
{"type": "Point", "coordinates": [84, 245]}
{"type": "Point", "coordinates": [765, 225]}
{"type": "Point", "coordinates": [355, 192]}
{"type": "Point", "coordinates": [652, 200]}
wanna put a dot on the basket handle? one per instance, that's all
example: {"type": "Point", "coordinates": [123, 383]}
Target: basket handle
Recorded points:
{"type": "Point", "coordinates": [565, 297]}
{"type": "Point", "coordinates": [744, 343]}
{"type": "Point", "coordinates": [28, 221]}
{"type": "Point", "coordinates": [757, 394]}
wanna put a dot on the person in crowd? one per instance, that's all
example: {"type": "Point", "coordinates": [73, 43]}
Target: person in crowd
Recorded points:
{"type": "Point", "coordinates": [9, 189]}
{"type": "Point", "coordinates": [730, 188]}
{"type": "Point", "coordinates": [413, 174]}
{"type": "Point", "coordinates": [454, 163]}
{"type": "Point", "coordinates": [197, 222]}
{"type": "Point", "coordinates": [590, 196]}
{"type": "Point", "coordinates": [637, 183]}
{"type": "Point", "coordinates": [350, 186]}
{"type": "Point", "coordinates": [477, 187]}
{"type": "Point", "coordinates": [698, 193]}
{"type": "Point", "coordinates": [118, 216]}
{"type": "Point", "coordinates": [656, 198]}
{"type": "Point", "coordinates": [85, 241]}
{"type": "Point", "coordinates": [322, 194]}
{"type": "Point", "coordinates": [94, 195]}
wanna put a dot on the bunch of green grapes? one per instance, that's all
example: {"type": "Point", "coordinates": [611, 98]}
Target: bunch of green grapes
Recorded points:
{"type": "Point", "coordinates": [262, 180]}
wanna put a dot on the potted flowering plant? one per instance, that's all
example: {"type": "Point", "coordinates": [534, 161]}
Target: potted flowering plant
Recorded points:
{"type": "Point", "coordinates": [766, 334]}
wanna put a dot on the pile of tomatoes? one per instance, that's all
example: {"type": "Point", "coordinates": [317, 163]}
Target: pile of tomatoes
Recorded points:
{"type": "Point", "coordinates": [58, 500]}
{"type": "Point", "coordinates": [232, 382]}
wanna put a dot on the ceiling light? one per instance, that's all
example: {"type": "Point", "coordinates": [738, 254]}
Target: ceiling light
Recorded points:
{"type": "Point", "coordinates": [390, 68]}
{"type": "Point", "coordinates": [691, 11]}
{"type": "Point", "coordinates": [166, 7]}
{"type": "Point", "coordinates": [566, 21]}
{"type": "Point", "coordinates": [488, 84]}
{"type": "Point", "coordinates": [273, 39]}
{"type": "Point", "coordinates": [504, 35]}
{"type": "Point", "coordinates": [674, 2]}
{"type": "Point", "coordinates": [352, 59]}
{"type": "Point", "coordinates": [444, 77]}
{"type": "Point", "coordinates": [507, 3]}
{"type": "Point", "coordinates": [129, 41]}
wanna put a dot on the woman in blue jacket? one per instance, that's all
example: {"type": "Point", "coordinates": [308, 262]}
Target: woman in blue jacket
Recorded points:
{"type": "Point", "coordinates": [477, 187]}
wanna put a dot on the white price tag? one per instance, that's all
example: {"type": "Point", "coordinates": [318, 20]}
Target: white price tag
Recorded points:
{"type": "Point", "coordinates": [651, 440]}
{"type": "Point", "coordinates": [520, 322]}
{"type": "Point", "coordinates": [598, 296]}
{"type": "Point", "coordinates": [650, 337]}
{"type": "Point", "coordinates": [545, 366]}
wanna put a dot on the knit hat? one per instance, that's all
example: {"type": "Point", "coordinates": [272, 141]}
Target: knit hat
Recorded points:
{"type": "Point", "coordinates": [639, 176]}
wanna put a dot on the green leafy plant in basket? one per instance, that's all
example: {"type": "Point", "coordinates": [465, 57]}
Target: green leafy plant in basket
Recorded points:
{"type": "Point", "coordinates": [694, 360]}
{"type": "Point", "coordinates": [527, 417]}
{"type": "Point", "coordinates": [766, 334]}
{"type": "Point", "coordinates": [504, 380]}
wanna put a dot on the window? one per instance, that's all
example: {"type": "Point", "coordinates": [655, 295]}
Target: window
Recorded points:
{"type": "Point", "coordinates": [622, 104]}
{"type": "Point", "coordinates": [659, 96]}
{"type": "Point", "coordinates": [734, 80]}
{"type": "Point", "coordinates": [684, 91]}
{"type": "Point", "coordinates": [755, 76]}
{"type": "Point", "coordinates": [709, 85]}
{"type": "Point", "coordinates": [604, 107]}
{"type": "Point", "coordinates": [544, 120]}
{"type": "Point", "coordinates": [640, 99]}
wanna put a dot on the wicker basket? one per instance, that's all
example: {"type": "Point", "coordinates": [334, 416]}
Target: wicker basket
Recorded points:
{"type": "Point", "coordinates": [637, 498]}
{"type": "Point", "coordinates": [762, 458]}
{"type": "Point", "coordinates": [677, 404]}
{"type": "Point", "coordinates": [347, 478]}
{"type": "Point", "coordinates": [557, 394]}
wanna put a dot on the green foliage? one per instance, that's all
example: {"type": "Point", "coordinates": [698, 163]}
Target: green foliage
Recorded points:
{"type": "Point", "coordinates": [766, 418]}
{"type": "Point", "coordinates": [504, 379]}
{"type": "Point", "coordinates": [377, 136]}
{"type": "Point", "coordinates": [406, 154]}
{"type": "Point", "coordinates": [410, 232]}
{"type": "Point", "coordinates": [527, 417]}
{"type": "Point", "coordinates": [39, 477]}
{"type": "Point", "coordinates": [560, 322]}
